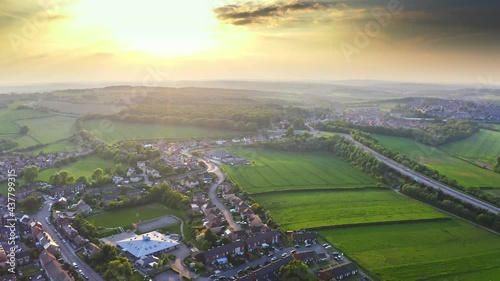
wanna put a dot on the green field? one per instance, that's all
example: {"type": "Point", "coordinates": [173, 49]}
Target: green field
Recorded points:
{"type": "Point", "coordinates": [465, 173]}
{"type": "Point", "coordinates": [482, 148]}
{"type": "Point", "coordinates": [82, 167]}
{"type": "Point", "coordinates": [59, 146]}
{"type": "Point", "coordinates": [49, 129]}
{"type": "Point", "coordinates": [81, 108]}
{"type": "Point", "coordinates": [126, 217]}
{"type": "Point", "coordinates": [276, 170]}
{"type": "Point", "coordinates": [296, 210]}
{"type": "Point", "coordinates": [113, 130]}
{"type": "Point", "coordinates": [43, 127]}
{"type": "Point", "coordinates": [449, 250]}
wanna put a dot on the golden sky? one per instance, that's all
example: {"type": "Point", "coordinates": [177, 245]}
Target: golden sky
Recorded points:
{"type": "Point", "coordinates": [110, 40]}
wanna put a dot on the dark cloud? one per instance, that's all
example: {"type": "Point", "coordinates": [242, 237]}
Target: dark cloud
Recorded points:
{"type": "Point", "coordinates": [251, 13]}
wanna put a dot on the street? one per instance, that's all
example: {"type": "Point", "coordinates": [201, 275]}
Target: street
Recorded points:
{"type": "Point", "coordinates": [67, 251]}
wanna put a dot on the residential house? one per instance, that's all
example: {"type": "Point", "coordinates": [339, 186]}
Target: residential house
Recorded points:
{"type": "Point", "coordinates": [338, 272]}
{"type": "Point", "coordinates": [69, 232]}
{"type": "Point", "coordinates": [303, 236]}
{"type": "Point", "coordinates": [45, 242]}
{"type": "Point", "coordinates": [83, 208]}
{"type": "Point", "coordinates": [53, 268]}
{"type": "Point", "coordinates": [221, 253]}
{"type": "Point", "coordinates": [262, 240]}
{"type": "Point", "coordinates": [270, 271]}
{"type": "Point", "coordinates": [91, 249]}
{"type": "Point", "coordinates": [307, 256]}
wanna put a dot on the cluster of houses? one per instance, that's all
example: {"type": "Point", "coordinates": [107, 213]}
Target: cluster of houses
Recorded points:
{"type": "Point", "coordinates": [19, 163]}
{"type": "Point", "coordinates": [226, 157]}
{"type": "Point", "coordinates": [220, 255]}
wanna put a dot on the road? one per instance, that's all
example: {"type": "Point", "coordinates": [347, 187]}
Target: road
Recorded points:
{"type": "Point", "coordinates": [67, 251]}
{"type": "Point", "coordinates": [212, 194]}
{"type": "Point", "coordinates": [427, 181]}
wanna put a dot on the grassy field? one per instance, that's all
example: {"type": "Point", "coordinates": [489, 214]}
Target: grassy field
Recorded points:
{"type": "Point", "coordinates": [296, 210]}
{"type": "Point", "coordinates": [112, 130]}
{"type": "Point", "coordinates": [482, 148]}
{"type": "Point", "coordinates": [82, 167]}
{"type": "Point", "coordinates": [277, 170]}
{"type": "Point", "coordinates": [128, 216]}
{"type": "Point", "coordinates": [454, 168]}
{"type": "Point", "coordinates": [449, 250]}
{"type": "Point", "coordinates": [43, 127]}
{"type": "Point", "coordinates": [59, 146]}
{"type": "Point", "coordinates": [81, 108]}
{"type": "Point", "coordinates": [49, 129]}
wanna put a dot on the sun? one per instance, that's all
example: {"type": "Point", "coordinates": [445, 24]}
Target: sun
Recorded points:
{"type": "Point", "coordinates": [165, 28]}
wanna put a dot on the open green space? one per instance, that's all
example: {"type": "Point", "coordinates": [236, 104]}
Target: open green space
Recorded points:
{"type": "Point", "coordinates": [127, 216]}
{"type": "Point", "coordinates": [482, 148]}
{"type": "Point", "coordinates": [49, 129]}
{"type": "Point", "coordinates": [82, 167]}
{"type": "Point", "coordinates": [272, 170]}
{"type": "Point", "coordinates": [454, 168]}
{"type": "Point", "coordinates": [43, 127]}
{"type": "Point", "coordinates": [113, 130]}
{"type": "Point", "coordinates": [445, 250]}
{"type": "Point", "coordinates": [81, 108]}
{"type": "Point", "coordinates": [59, 146]}
{"type": "Point", "coordinates": [297, 210]}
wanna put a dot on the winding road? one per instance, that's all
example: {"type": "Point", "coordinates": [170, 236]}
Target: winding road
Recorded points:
{"type": "Point", "coordinates": [212, 194]}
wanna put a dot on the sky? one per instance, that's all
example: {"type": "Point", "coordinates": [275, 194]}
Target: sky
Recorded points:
{"type": "Point", "coordinates": [150, 41]}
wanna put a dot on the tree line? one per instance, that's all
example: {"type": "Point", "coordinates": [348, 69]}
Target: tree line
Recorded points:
{"type": "Point", "coordinates": [433, 134]}
{"type": "Point", "coordinates": [451, 204]}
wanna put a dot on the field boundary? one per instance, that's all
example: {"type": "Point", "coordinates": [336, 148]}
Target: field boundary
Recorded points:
{"type": "Point", "coordinates": [319, 190]}
{"type": "Point", "coordinates": [352, 225]}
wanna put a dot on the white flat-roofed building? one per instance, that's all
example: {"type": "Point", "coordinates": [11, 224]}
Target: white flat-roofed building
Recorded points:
{"type": "Point", "coordinates": [147, 244]}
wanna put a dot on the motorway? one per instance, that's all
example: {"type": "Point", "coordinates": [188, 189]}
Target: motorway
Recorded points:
{"type": "Point", "coordinates": [67, 251]}
{"type": "Point", "coordinates": [427, 181]}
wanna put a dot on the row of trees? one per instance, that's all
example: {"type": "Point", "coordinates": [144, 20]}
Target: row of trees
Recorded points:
{"type": "Point", "coordinates": [6, 144]}
{"type": "Point", "coordinates": [111, 264]}
{"type": "Point", "coordinates": [452, 205]}
{"type": "Point", "coordinates": [433, 134]}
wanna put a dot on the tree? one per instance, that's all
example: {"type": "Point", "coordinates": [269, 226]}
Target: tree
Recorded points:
{"type": "Point", "coordinates": [289, 132]}
{"type": "Point", "coordinates": [31, 173]}
{"type": "Point", "coordinates": [119, 269]}
{"type": "Point", "coordinates": [24, 130]}
{"type": "Point", "coordinates": [294, 271]}
{"type": "Point", "coordinates": [30, 203]}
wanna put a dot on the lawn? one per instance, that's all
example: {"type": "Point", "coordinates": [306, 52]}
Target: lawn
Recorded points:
{"type": "Point", "coordinates": [465, 173]}
{"type": "Point", "coordinates": [305, 209]}
{"type": "Point", "coordinates": [113, 130]}
{"type": "Point", "coordinates": [276, 170]}
{"type": "Point", "coordinates": [449, 250]}
{"type": "Point", "coordinates": [82, 167]}
{"type": "Point", "coordinates": [482, 148]}
{"type": "Point", "coordinates": [49, 129]}
{"type": "Point", "coordinates": [126, 217]}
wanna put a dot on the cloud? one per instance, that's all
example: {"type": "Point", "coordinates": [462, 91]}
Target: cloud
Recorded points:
{"type": "Point", "coordinates": [265, 13]}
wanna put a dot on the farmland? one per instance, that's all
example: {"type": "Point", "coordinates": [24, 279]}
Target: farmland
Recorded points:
{"type": "Point", "coordinates": [49, 129]}
{"type": "Point", "coordinates": [296, 210]}
{"type": "Point", "coordinates": [464, 172]}
{"type": "Point", "coordinates": [482, 148]}
{"type": "Point", "coordinates": [83, 167]}
{"type": "Point", "coordinates": [43, 127]}
{"type": "Point", "coordinates": [276, 170]}
{"type": "Point", "coordinates": [80, 108]}
{"type": "Point", "coordinates": [449, 250]}
{"type": "Point", "coordinates": [113, 130]}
